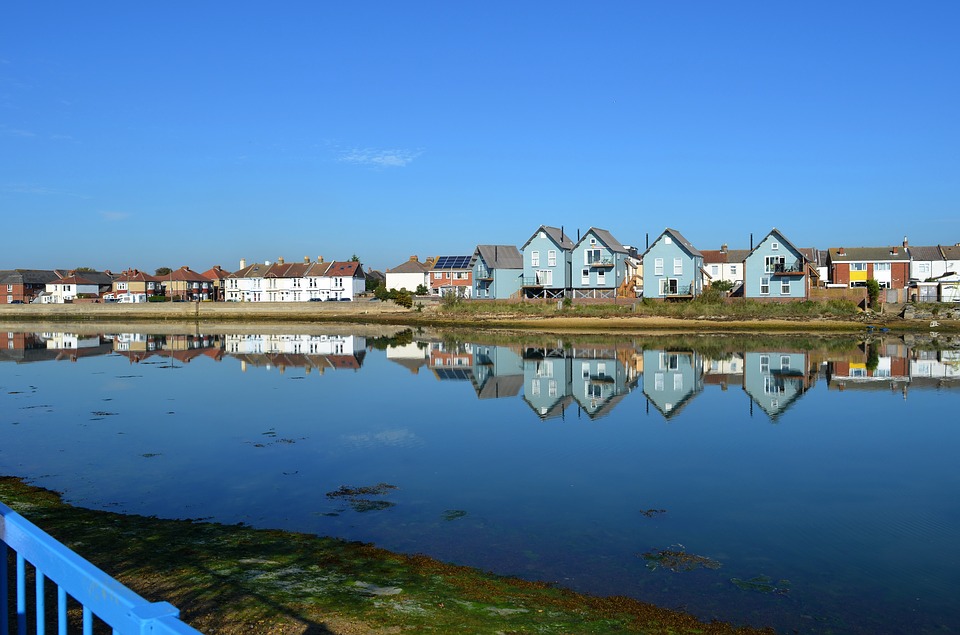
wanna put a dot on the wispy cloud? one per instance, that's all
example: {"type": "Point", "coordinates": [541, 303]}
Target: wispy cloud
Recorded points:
{"type": "Point", "coordinates": [112, 217]}
{"type": "Point", "coordinates": [16, 132]}
{"type": "Point", "coordinates": [38, 190]}
{"type": "Point", "coordinates": [380, 158]}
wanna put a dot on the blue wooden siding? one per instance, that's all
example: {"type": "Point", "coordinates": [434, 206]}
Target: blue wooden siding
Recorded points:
{"type": "Point", "coordinates": [777, 286]}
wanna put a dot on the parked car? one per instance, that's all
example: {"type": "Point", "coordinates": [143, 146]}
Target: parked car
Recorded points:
{"type": "Point", "coordinates": [16, 301]}
{"type": "Point", "coordinates": [315, 300]}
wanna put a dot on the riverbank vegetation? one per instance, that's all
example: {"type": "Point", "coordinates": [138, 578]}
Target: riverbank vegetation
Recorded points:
{"type": "Point", "coordinates": [231, 579]}
{"type": "Point", "coordinates": [710, 305]}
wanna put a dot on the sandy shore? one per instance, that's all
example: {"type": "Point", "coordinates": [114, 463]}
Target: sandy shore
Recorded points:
{"type": "Point", "coordinates": [307, 317]}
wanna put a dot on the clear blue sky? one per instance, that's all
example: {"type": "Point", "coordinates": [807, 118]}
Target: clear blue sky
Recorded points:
{"type": "Point", "coordinates": [137, 134]}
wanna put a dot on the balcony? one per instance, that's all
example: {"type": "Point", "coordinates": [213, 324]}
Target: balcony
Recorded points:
{"type": "Point", "coordinates": [604, 263]}
{"type": "Point", "coordinates": [783, 269]}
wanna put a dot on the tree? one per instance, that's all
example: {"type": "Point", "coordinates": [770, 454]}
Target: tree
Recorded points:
{"type": "Point", "coordinates": [422, 289]}
{"type": "Point", "coordinates": [162, 271]}
{"type": "Point", "coordinates": [83, 269]}
{"type": "Point", "coordinates": [354, 258]}
{"type": "Point", "coordinates": [873, 293]}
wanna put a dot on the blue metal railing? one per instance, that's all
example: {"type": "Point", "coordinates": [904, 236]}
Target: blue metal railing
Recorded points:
{"type": "Point", "coordinates": [99, 594]}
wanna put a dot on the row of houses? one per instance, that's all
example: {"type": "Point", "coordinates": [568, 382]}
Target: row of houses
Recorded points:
{"type": "Point", "coordinates": [259, 282]}
{"type": "Point", "coordinates": [551, 265]}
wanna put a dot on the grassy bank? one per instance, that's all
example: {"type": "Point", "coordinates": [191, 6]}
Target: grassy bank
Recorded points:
{"type": "Point", "coordinates": [234, 579]}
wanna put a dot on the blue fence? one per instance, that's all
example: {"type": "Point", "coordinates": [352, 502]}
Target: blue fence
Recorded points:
{"type": "Point", "coordinates": [99, 595]}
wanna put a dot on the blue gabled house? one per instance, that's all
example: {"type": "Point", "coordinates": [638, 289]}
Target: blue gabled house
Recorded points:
{"type": "Point", "coordinates": [546, 264]}
{"type": "Point", "coordinates": [599, 265]}
{"type": "Point", "coordinates": [672, 268]}
{"type": "Point", "coordinates": [497, 271]}
{"type": "Point", "coordinates": [775, 270]}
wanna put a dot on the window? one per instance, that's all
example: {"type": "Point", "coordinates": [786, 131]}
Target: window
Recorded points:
{"type": "Point", "coordinates": [774, 246]}
{"type": "Point", "coordinates": [733, 270]}
{"type": "Point", "coordinates": [677, 266]}
{"type": "Point", "coordinates": [658, 381]}
{"type": "Point", "coordinates": [667, 240]}
{"type": "Point", "coordinates": [534, 258]}
{"type": "Point", "coordinates": [764, 363]}
{"type": "Point", "coordinates": [922, 267]}
{"type": "Point", "coordinates": [601, 277]}
{"type": "Point", "coordinates": [714, 270]}
{"type": "Point", "coordinates": [9, 288]}
{"type": "Point", "coordinates": [770, 263]}
{"type": "Point", "coordinates": [658, 267]}
{"type": "Point", "coordinates": [784, 362]}
{"type": "Point", "coordinates": [678, 382]}
{"type": "Point", "coordinates": [858, 266]}
{"type": "Point", "coordinates": [765, 285]}
{"type": "Point", "coordinates": [585, 277]}
{"type": "Point", "coordinates": [785, 286]}
{"type": "Point", "coordinates": [437, 275]}
{"type": "Point", "coordinates": [552, 258]}
{"type": "Point", "coordinates": [881, 266]}
{"type": "Point", "coordinates": [591, 256]}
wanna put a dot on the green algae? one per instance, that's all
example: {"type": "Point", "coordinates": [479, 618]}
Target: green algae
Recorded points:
{"type": "Point", "coordinates": [231, 579]}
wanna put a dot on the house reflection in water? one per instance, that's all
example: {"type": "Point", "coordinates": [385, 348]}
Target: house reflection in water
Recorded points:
{"type": "Point", "coordinates": [671, 379]}
{"type": "Point", "coordinates": [138, 347]}
{"type": "Point", "coordinates": [889, 364]}
{"type": "Point", "coordinates": [310, 352]}
{"type": "Point", "coordinates": [497, 372]}
{"type": "Point", "coordinates": [595, 379]}
{"type": "Point", "coordinates": [774, 380]}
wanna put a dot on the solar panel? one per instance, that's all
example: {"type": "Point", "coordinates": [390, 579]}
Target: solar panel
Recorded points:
{"type": "Point", "coordinates": [453, 262]}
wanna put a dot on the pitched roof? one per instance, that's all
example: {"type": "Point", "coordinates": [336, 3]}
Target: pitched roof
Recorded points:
{"type": "Point", "coordinates": [499, 256]}
{"type": "Point", "coordinates": [606, 238]}
{"type": "Point", "coordinates": [184, 274]}
{"type": "Point", "coordinates": [452, 262]}
{"type": "Point", "coordinates": [724, 256]}
{"type": "Point", "coordinates": [875, 254]}
{"type": "Point", "coordinates": [925, 253]}
{"type": "Point", "coordinates": [350, 269]}
{"type": "Point", "coordinates": [411, 266]}
{"type": "Point", "coordinates": [73, 280]}
{"type": "Point", "coordinates": [135, 275]}
{"type": "Point", "coordinates": [951, 252]}
{"type": "Point", "coordinates": [215, 273]}
{"type": "Point", "coordinates": [783, 240]}
{"type": "Point", "coordinates": [31, 276]}
{"type": "Point", "coordinates": [556, 234]}
{"type": "Point", "coordinates": [678, 237]}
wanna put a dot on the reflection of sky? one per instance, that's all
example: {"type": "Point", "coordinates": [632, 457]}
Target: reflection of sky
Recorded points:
{"type": "Point", "coordinates": [848, 493]}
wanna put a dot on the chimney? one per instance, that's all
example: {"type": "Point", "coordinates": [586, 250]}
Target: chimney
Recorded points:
{"type": "Point", "coordinates": [319, 258]}
{"type": "Point", "coordinates": [841, 252]}
{"type": "Point", "coordinates": [414, 258]}
{"type": "Point", "coordinates": [905, 243]}
{"type": "Point", "coordinates": [893, 250]}
{"type": "Point", "coordinates": [723, 248]}
{"type": "Point", "coordinates": [280, 260]}
{"type": "Point", "coordinates": [243, 263]}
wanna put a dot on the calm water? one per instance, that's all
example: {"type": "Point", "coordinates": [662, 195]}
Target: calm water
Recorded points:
{"type": "Point", "coordinates": [814, 490]}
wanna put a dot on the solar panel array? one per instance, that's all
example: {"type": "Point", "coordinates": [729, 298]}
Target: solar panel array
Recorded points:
{"type": "Point", "coordinates": [453, 262]}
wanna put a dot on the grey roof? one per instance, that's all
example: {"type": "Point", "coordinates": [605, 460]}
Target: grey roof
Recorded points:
{"type": "Point", "coordinates": [677, 236]}
{"type": "Point", "coordinates": [867, 254]}
{"type": "Point", "coordinates": [31, 276]}
{"type": "Point", "coordinates": [499, 256]}
{"type": "Point", "coordinates": [925, 253]}
{"type": "Point", "coordinates": [717, 256]}
{"type": "Point", "coordinates": [497, 386]}
{"type": "Point", "coordinates": [556, 234]}
{"type": "Point", "coordinates": [606, 238]}
{"type": "Point", "coordinates": [411, 266]}
{"type": "Point", "coordinates": [951, 252]}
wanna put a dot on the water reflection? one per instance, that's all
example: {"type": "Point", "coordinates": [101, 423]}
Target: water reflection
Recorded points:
{"type": "Point", "coordinates": [549, 378]}
{"type": "Point", "coordinates": [581, 461]}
